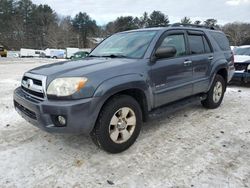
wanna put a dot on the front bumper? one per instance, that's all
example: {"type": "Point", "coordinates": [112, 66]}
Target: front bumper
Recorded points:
{"type": "Point", "coordinates": [80, 114]}
{"type": "Point", "coordinates": [241, 76]}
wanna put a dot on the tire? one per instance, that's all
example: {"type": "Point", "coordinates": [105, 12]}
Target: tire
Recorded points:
{"type": "Point", "coordinates": [216, 93]}
{"type": "Point", "coordinates": [120, 135]}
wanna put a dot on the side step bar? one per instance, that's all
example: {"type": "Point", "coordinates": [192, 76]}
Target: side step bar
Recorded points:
{"type": "Point", "coordinates": [175, 106]}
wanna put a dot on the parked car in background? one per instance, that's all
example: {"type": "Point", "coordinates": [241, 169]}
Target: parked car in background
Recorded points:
{"type": "Point", "coordinates": [71, 51]}
{"type": "Point", "coordinates": [24, 52]}
{"type": "Point", "coordinates": [54, 53]}
{"type": "Point", "coordinates": [80, 55]}
{"type": "Point", "coordinates": [111, 92]}
{"type": "Point", "coordinates": [3, 51]}
{"type": "Point", "coordinates": [242, 64]}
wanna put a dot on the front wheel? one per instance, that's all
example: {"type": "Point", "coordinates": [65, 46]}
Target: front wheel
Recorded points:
{"type": "Point", "coordinates": [118, 125]}
{"type": "Point", "coordinates": [216, 93]}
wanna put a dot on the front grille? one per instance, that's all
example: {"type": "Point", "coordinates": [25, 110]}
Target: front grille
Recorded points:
{"type": "Point", "coordinates": [26, 111]}
{"type": "Point", "coordinates": [240, 66]}
{"type": "Point", "coordinates": [35, 81]}
{"type": "Point", "coordinates": [33, 85]}
{"type": "Point", "coordinates": [34, 93]}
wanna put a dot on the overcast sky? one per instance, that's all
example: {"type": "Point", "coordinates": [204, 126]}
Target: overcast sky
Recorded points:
{"type": "Point", "coordinates": [104, 11]}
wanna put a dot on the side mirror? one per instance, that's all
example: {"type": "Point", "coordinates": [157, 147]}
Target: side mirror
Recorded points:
{"type": "Point", "coordinates": [165, 52]}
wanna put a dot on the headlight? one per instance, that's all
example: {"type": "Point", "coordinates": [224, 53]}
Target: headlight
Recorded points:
{"type": "Point", "coordinates": [66, 86]}
{"type": "Point", "coordinates": [248, 68]}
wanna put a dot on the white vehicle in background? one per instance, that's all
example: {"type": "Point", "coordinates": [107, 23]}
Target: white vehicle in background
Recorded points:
{"type": "Point", "coordinates": [242, 64]}
{"type": "Point", "coordinates": [55, 53]}
{"type": "Point", "coordinates": [71, 51]}
{"type": "Point", "coordinates": [24, 52]}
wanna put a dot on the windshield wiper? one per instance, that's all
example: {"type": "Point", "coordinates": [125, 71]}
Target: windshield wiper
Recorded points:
{"type": "Point", "coordinates": [116, 56]}
{"type": "Point", "coordinates": [95, 56]}
{"type": "Point", "coordinates": [110, 56]}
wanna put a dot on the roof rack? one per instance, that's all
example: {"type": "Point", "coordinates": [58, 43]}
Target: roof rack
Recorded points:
{"type": "Point", "coordinates": [192, 25]}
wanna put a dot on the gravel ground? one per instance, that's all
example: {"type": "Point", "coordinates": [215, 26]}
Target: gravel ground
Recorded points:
{"type": "Point", "coordinates": [192, 147]}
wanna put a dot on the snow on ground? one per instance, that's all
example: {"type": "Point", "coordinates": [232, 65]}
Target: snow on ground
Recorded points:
{"type": "Point", "coordinates": [192, 147]}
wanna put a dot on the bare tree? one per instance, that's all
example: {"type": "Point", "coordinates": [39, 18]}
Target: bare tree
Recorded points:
{"type": "Point", "coordinates": [238, 33]}
{"type": "Point", "coordinates": [186, 20]}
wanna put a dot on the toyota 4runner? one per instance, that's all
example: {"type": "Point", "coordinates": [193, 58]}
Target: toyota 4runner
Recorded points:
{"type": "Point", "coordinates": [111, 92]}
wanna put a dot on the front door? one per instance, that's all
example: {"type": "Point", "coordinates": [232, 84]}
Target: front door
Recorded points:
{"type": "Point", "coordinates": [172, 77]}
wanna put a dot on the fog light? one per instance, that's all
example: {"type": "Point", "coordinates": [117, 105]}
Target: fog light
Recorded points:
{"type": "Point", "coordinates": [61, 120]}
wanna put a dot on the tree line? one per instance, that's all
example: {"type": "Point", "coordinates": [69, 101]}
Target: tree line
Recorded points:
{"type": "Point", "coordinates": [27, 25]}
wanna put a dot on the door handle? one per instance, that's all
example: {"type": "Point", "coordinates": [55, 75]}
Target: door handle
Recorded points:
{"type": "Point", "coordinates": [210, 58]}
{"type": "Point", "coordinates": [187, 63]}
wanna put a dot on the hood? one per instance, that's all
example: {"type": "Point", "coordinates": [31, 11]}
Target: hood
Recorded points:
{"type": "Point", "coordinates": [79, 67]}
{"type": "Point", "coordinates": [97, 70]}
{"type": "Point", "coordinates": [241, 58]}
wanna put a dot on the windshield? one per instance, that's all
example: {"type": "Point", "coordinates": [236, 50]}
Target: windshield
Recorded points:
{"type": "Point", "coordinates": [128, 45]}
{"type": "Point", "coordinates": [242, 51]}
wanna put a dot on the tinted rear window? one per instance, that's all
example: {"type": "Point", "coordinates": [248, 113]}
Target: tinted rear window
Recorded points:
{"type": "Point", "coordinates": [221, 40]}
{"type": "Point", "coordinates": [196, 44]}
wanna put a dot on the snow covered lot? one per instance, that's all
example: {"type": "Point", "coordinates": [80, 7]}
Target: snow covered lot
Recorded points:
{"type": "Point", "coordinates": [192, 147]}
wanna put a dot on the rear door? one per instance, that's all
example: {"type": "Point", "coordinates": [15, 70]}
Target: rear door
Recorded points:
{"type": "Point", "coordinates": [172, 77]}
{"type": "Point", "coordinates": [202, 57]}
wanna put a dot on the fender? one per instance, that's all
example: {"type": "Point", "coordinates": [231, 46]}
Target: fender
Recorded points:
{"type": "Point", "coordinates": [218, 65]}
{"type": "Point", "coordinates": [120, 83]}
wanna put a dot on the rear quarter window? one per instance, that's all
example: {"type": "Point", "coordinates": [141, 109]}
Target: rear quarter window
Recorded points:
{"type": "Point", "coordinates": [221, 40]}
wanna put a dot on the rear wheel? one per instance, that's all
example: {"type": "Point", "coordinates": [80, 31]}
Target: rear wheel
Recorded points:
{"type": "Point", "coordinates": [118, 125]}
{"type": "Point", "coordinates": [216, 93]}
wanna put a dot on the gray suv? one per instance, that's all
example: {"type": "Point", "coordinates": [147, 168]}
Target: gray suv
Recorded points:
{"type": "Point", "coordinates": [111, 92]}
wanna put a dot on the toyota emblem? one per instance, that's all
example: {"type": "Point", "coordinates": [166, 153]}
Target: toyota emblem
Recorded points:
{"type": "Point", "coordinates": [29, 83]}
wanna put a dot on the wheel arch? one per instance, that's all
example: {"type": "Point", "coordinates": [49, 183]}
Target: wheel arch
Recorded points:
{"type": "Point", "coordinates": [222, 71]}
{"type": "Point", "coordinates": [131, 85]}
{"type": "Point", "coordinates": [135, 93]}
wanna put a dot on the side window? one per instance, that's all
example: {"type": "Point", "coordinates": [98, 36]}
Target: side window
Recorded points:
{"type": "Point", "coordinates": [196, 44]}
{"type": "Point", "coordinates": [177, 41]}
{"type": "Point", "coordinates": [207, 47]}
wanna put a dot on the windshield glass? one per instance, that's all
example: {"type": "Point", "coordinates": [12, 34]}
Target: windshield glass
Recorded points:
{"type": "Point", "coordinates": [242, 51]}
{"type": "Point", "coordinates": [130, 45]}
